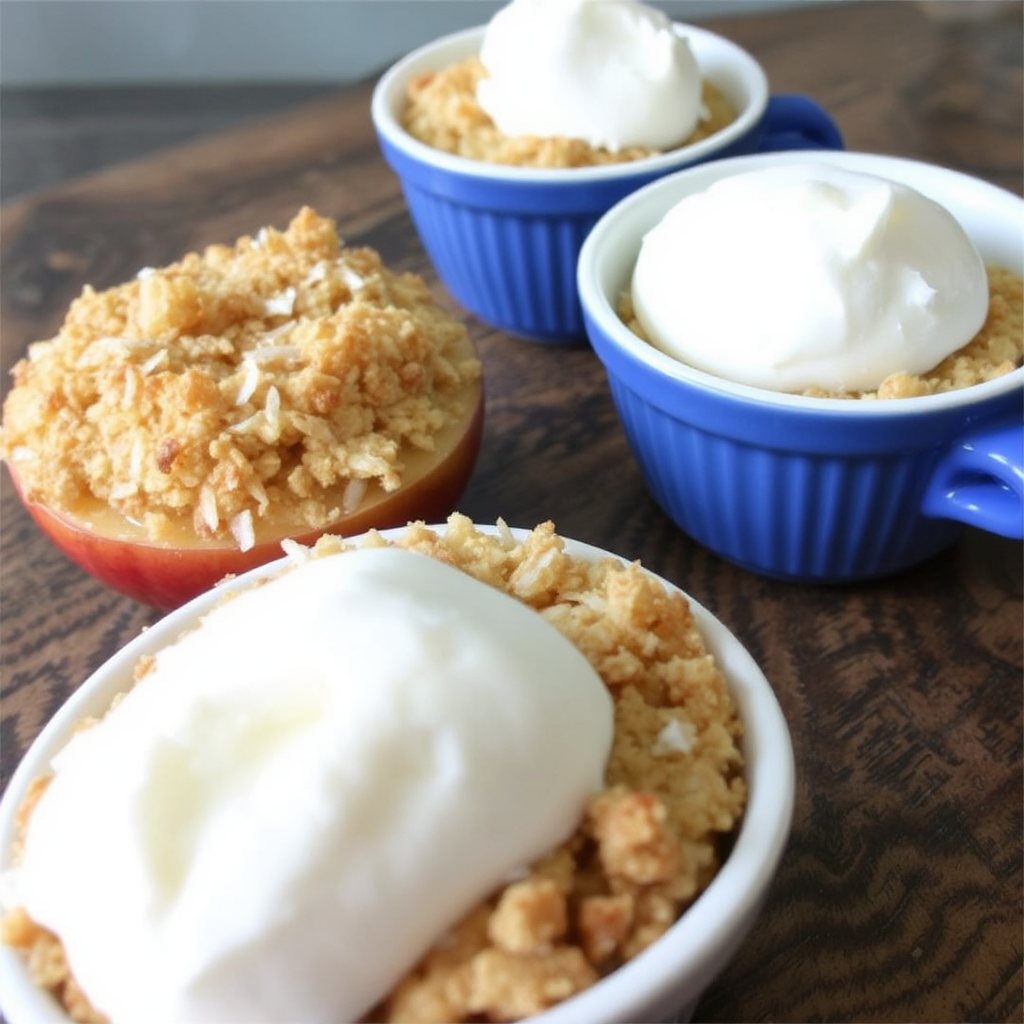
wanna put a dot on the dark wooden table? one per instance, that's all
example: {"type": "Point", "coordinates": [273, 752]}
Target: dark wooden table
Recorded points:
{"type": "Point", "coordinates": [900, 896]}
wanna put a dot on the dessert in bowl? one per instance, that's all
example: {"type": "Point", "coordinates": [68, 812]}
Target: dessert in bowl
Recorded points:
{"type": "Point", "coordinates": [897, 290]}
{"type": "Point", "coordinates": [502, 204]}
{"type": "Point", "coordinates": [584, 831]}
{"type": "Point", "coordinates": [180, 425]}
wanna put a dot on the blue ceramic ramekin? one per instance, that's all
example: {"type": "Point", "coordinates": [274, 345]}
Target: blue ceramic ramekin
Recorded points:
{"type": "Point", "coordinates": [505, 240]}
{"type": "Point", "coordinates": [809, 489]}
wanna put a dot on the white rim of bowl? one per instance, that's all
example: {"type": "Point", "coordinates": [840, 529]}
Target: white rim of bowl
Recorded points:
{"type": "Point", "coordinates": [646, 206]}
{"type": "Point", "coordinates": [729, 66]}
{"type": "Point", "coordinates": [724, 907]}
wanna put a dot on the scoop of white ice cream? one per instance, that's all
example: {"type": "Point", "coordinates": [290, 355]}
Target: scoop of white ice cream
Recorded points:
{"type": "Point", "coordinates": [308, 790]}
{"type": "Point", "coordinates": [807, 275]}
{"type": "Point", "coordinates": [611, 72]}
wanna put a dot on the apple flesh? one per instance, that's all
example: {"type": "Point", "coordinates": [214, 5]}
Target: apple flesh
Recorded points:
{"type": "Point", "coordinates": [167, 575]}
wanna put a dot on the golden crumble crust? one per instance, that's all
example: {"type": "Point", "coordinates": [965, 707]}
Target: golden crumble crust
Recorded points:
{"type": "Point", "coordinates": [646, 846]}
{"type": "Point", "coordinates": [268, 381]}
{"type": "Point", "coordinates": [442, 111]}
{"type": "Point", "coordinates": [997, 349]}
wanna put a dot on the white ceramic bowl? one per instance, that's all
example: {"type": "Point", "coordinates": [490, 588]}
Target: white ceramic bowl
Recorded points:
{"type": "Point", "coordinates": [664, 981]}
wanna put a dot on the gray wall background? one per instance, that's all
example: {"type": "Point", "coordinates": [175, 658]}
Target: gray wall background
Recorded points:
{"type": "Point", "coordinates": [105, 42]}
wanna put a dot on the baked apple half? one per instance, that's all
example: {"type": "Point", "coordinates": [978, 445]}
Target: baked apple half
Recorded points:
{"type": "Point", "coordinates": [165, 575]}
{"type": "Point", "coordinates": [182, 424]}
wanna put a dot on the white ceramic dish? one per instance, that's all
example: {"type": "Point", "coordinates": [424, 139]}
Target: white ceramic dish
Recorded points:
{"type": "Point", "coordinates": [664, 981]}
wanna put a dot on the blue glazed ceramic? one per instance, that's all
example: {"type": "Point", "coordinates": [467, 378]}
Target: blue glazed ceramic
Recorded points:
{"type": "Point", "coordinates": [505, 240]}
{"type": "Point", "coordinates": [808, 489]}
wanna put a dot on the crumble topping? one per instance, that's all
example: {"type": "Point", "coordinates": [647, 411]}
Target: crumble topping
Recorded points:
{"type": "Point", "coordinates": [272, 380]}
{"type": "Point", "coordinates": [443, 113]}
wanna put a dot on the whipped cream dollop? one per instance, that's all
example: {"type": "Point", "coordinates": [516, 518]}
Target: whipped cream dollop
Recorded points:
{"type": "Point", "coordinates": [305, 792]}
{"type": "Point", "coordinates": [613, 73]}
{"type": "Point", "coordinates": [807, 275]}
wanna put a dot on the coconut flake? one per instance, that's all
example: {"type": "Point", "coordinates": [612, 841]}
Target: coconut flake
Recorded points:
{"type": "Point", "coordinates": [355, 491]}
{"type": "Point", "coordinates": [525, 581]}
{"type": "Point", "coordinates": [135, 460]}
{"type": "Point", "coordinates": [249, 425]}
{"type": "Point", "coordinates": [505, 535]}
{"type": "Point", "coordinates": [275, 332]}
{"type": "Point", "coordinates": [294, 550]}
{"type": "Point", "coordinates": [366, 463]}
{"type": "Point", "coordinates": [282, 304]}
{"type": "Point", "coordinates": [353, 281]}
{"type": "Point", "coordinates": [318, 273]}
{"type": "Point", "coordinates": [208, 507]}
{"type": "Point", "coordinates": [154, 362]}
{"type": "Point", "coordinates": [675, 738]}
{"type": "Point", "coordinates": [98, 350]}
{"type": "Point", "coordinates": [272, 353]}
{"type": "Point", "coordinates": [124, 489]}
{"type": "Point", "coordinates": [242, 530]}
{"type": "Point", "coordinates": [131, 384]}
{"type": "Point", "coordinates": [259, 493]}
{"type": "Point", "coordinates": [272, 406]}
{"type": "Point", "coordinates": [312, 426]}
{"type": "Point", "coordinates": [586, 598]}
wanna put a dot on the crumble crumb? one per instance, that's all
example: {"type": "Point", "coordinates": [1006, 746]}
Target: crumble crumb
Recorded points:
{"type": "Point", "coordinates": [443, 112]}
{"type": "Point", "coordinates": [265, 383]}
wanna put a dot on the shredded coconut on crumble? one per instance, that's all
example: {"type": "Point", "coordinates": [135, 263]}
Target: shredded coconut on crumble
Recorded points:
{"type": "Point", "coordinates": [272, 379]}
{"type": "Point", "coordinates": [443, 112]}
{"type": "Point", "coordinates": [647, 845]}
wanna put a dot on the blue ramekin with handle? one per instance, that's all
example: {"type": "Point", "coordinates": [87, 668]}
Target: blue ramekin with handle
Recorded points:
{"type": "Point", "coordinates": [505, 240]}
{"type": "Point", "coordinates": [818, 490]}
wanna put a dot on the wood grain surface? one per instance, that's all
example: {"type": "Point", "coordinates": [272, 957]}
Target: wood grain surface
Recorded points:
{"type": "Point", "coordinates": [900, 895]}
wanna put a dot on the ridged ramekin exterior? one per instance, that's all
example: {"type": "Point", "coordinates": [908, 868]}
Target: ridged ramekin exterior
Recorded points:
{"type": "Point", "coordinates": [515, 272]}
{"type": "Point", "coordinates": [800, 516]}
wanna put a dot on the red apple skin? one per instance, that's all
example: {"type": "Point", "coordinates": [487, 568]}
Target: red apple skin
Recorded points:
{"type": "Point", "coordinates": [166, 577]}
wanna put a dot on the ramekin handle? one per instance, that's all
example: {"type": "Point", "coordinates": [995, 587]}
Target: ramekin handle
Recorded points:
{"type": "Point", "coordinates": [980, 481]}
{"type": "Point", "coordinates": [796, 122]}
